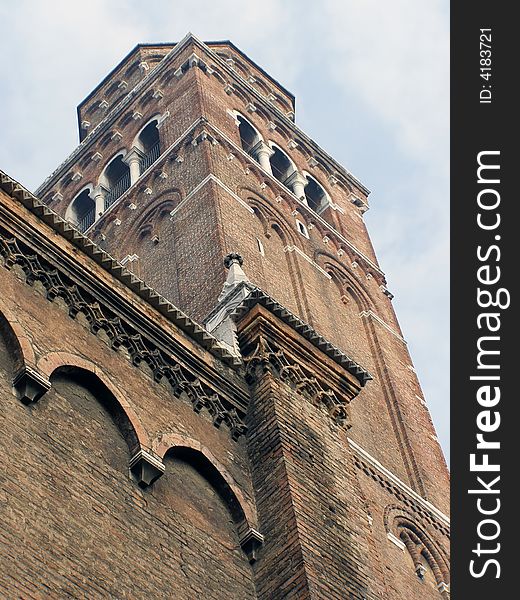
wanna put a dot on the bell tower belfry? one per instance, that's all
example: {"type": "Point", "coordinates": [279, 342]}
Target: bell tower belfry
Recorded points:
{"type": "Point", "coordinates": [191, 164]}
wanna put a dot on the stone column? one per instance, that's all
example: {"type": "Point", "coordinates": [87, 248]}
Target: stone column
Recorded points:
{"type": "Point", "coordinates": [297, 182]}
{"type": "Point", "coordinates": [98, 195]}
{"type": "Point", "coordinates": [262, 152]}
{"type": "Point", "coordinates": [133, 160]}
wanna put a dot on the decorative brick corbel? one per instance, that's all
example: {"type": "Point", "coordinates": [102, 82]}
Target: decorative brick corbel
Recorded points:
{"type": "Point", "coordinates": [145, 468]}
{"type": "Point", "coordinates": [30, 385]}
{"type": "Point", "coordinates": [250, 542]}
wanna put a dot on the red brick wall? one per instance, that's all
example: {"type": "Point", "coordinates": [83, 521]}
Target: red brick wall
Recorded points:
{"type": "Point", "coordinates": [327, 282]}
{"type": "Point", "coordinates": [73, 521]}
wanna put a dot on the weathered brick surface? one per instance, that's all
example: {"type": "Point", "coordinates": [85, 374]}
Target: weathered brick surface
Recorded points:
{"type": "Point", "coordinates": [77, 526]}
{"type": "Point", "coordinates": [324, 513]}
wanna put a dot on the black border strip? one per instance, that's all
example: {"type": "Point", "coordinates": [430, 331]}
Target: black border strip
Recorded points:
{"type": "Point", "coordinates": [479, 126]}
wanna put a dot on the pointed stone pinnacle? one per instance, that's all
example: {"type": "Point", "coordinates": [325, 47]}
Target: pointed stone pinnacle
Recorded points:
{"type": "Point", "coordinates": [236, 275]}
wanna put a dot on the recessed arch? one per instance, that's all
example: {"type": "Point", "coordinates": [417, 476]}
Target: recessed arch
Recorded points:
{"type": "Point", "coordinates": [140, 143]}
{"type": "Point", "coordinates": [282, 165]}
{"type": "Point", "coordinates": [156, 213]}
{"type": "Point", "coordinates": [18, 342]}
{"type": "Point", "coordinates": [115, 400]}
{"type": "Point", "coordinates": [270, 218]}
{"type": "Point", "coordinates": [193, 451]}
{"type": "Point", "coordinates": [418, 542]}
{"type": "Point", "coordinates": [344, 279]}
{"type": "Point", "coordinates": [81, 211]}
{"type": "Point", "coordinates": [148, 143]}
{"type": "Point", "coordinates": [316, 196]}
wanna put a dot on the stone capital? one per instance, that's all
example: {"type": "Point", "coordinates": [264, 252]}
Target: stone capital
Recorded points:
{"type": "Point", "coordinates": [133, 155]}
{"type": "Point", "coordinates": [261, 147]}
{"type": "Point", "coordinates": [296, 178]}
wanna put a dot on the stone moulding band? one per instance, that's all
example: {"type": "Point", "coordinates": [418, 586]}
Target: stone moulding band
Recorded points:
{"type": "Point", "coordinates": [308, 259]}
{"type": "Point", "coordinates": [369, 313]}
{"type": "Point", "coordinates": [204, 182]}
{"type": "Point", "coordinates": [388, 475]}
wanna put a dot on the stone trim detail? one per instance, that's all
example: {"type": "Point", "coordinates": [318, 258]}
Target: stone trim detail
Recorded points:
{"type": "Point", "coordinates": [30, 385]}
{"type": "Point", "coordinates": [121, 334]}
{"type": "Point", "coordinates": [250, 542]}
{"type": "Point", "coordinates": [145, 468]}
{"type": "Point", "coordinates": [395, 540]}
{"type": "Point", "coordinates": [257, 296]}
{"type": "Point", "coordinates": [204, 182]}
{"type": "Point", "coordinates": [369, 313]}
{"type": "Point", "coordinates": [307, 258]}
{"type": "Point", "coordinates": [266, 358]}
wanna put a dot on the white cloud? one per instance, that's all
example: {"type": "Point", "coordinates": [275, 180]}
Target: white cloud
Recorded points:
{"type": "Point", "coordinates": [396, 55]}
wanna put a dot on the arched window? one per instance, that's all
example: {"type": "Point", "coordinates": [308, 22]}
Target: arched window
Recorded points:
{"type": "Point", "coordinates": [281, 165]}
{"type": "Point", "coordinates": [82, 210]}
{"type": "Point", "coordinates": [249, 137]}
{"type": "Point", "coordinates": [148, 143]}
{"type": "Point", "coordinates": [116, 179]}
{"type": "Point", "coordinates": [315, 195]}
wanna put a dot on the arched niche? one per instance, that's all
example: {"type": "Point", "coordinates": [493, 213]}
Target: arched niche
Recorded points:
{"type": "Point", "coordinates": [89, 397]}
{"type": "Point", "coordinates": [283, 277]}
{"type": "Point", "coordinates": [115, 178]}
{"type": "Point", "coordinates": [82, 210]}
{"type": "Point", "coordinates": [429, 564]}
{"type": "Point", "coordinates": [18, 350]}
{"type": "Point", "coordinates": [282, 166]}
{"type": "Point", "coordinates": [148, 143]}
{"type": "Point", "coordinates": [423, 553]}
{"type": "Point", "coordinates": [194, 492]}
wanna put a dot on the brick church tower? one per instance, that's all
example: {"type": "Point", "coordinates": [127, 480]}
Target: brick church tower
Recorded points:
{"type": "Point", "coordinates": [205, 390]}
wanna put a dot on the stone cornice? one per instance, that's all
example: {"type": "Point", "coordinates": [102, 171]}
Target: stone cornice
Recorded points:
{"type": "Point", "coordinates": [164, 354]}
{"type": "Point", "coordinates": [269, 358]}
{"type": "Point", "coordinates": [259, 297]}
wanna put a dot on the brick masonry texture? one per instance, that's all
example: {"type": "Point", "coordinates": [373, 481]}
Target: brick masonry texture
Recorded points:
{"type": "Point", "coordinates": [75, 521]}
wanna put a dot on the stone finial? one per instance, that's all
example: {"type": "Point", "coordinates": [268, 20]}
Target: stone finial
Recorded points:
{"type": "Point", "coordinates": [232, 258]}
{"type": "Point", "coordinates": [235, 276]}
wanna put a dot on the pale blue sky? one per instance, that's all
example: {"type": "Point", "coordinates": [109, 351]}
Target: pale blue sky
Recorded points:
{"type": "Point", "coordinates": [371, 81]}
